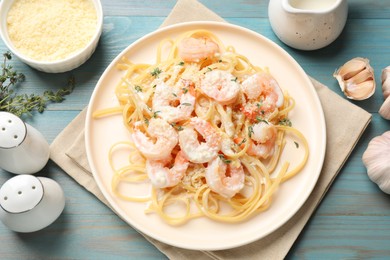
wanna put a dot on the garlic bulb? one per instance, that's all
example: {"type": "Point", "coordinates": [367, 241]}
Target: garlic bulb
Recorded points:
{"type": "Point", "coordinates": [376, 158]}
{"type": "Point", "coordinates": [384, 111]}
{"type": "Point", "coordinates": [386, 82]}
{"type": "Point", "coordinates": [356, 79]}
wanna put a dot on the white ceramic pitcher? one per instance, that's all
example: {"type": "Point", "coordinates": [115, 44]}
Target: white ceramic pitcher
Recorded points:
{"type": "Point", "coordinates": [307, 24]}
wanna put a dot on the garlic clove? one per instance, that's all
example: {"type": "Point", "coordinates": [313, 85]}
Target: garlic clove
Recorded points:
{"type": "Point", "coordinates": [359, 91]}
{"type": "Point", "coordinates": [352, 67]}
{"type": "Point", "coordinates": [384, 111]}
{"type": "Point", "coordinates": [386, 82]}
{"type": "Point", "coordinates": [356, 79]}
{"type": "Point", "coordinates": [376, 160]}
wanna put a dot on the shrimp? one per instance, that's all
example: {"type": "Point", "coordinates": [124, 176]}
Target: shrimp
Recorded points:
{"type": "Point", "coordinates": [165, 139]}
{"type": "Point", "coordinates": [162, 176]}
{"type": "Point", "coordinates": [263, 84]}
{"type": "Point", "coordinates": [225, 179]}
{"type": "Point", "coordinates": [195, 151]}
{"type": "Point", "coordinates": [164, 100]}
{"type": "Point", "coordinates": [197, 49]}
{"type": "Point", "coordinates": [221, 86]}
{"type": "Point", "coordinates": [263, 137]}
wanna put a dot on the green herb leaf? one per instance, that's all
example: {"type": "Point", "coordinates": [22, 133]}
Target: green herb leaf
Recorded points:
{"type": "Point", "coordinates": [259, 119]}
{"type": "Point", "coordinates": [222, 157]}
{"type": "Point", "coordinates": [242, 142]}
{"type": "Point", "coordinates": [177, 127]}
{"type": "Point", "coordinates": [296, 144]}
{"type": "Point", "coordinates": [155, 114]}
{"type": "Point", "coordinates": [7, 55]}
{"type": "Point", "coordinates": [286, 122]}
{"type": "Point", "coordinates": [138, 88]}
{"type": "Point", "coordinates": [250, 131]}
{"type": "Point", "coordinates": [155, 72]}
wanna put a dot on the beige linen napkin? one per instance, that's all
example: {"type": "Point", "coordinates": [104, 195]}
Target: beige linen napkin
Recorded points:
{"type": "Point", "coordinates": [343, 132]}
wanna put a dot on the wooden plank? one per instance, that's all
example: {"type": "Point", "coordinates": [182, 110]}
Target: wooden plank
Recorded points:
{"type": "Point", "coordinates": [343, 237]}
{"type": "Point", "coordinates": [231, 8]}
{"type": "Point", "coordinates": [78, 237]}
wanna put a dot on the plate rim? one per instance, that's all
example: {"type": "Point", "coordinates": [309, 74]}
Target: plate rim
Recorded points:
{"type": "Point", "coordinates": [117, 209]}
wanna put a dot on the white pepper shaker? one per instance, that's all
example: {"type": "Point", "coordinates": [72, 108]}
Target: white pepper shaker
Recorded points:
{"type": "Point", "coordinates": [23, 149]}
{"type": "Point", "coordinates": [29, 203]}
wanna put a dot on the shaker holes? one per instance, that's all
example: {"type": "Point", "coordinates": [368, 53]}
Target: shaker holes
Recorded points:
{"type": "Point", "coordinates": [19, 192]}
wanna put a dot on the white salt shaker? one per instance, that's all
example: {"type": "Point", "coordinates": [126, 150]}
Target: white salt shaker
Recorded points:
{"type": "Point", "coordinates": [29, 203]}
{"type": "Point", "coordinates": [23, 149]}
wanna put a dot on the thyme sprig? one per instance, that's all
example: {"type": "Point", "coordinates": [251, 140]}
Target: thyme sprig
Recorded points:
{"type": "Point", "coordinates": [20, 104]}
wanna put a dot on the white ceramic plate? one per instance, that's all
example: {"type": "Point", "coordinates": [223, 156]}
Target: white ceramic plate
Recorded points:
{"type": "Point", "coordinates": [205, 234]}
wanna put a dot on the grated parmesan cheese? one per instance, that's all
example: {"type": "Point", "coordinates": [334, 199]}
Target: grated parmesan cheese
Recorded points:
{"type": "Point", "coordinates": [49, 30]}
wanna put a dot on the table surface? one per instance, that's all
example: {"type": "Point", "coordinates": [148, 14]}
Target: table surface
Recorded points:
{"type": "Point", "coordinates": [353, 220]}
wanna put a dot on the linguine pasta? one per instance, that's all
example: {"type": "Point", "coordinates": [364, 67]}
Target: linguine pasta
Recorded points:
{"type": "Point", "coordinates": [236, 116]}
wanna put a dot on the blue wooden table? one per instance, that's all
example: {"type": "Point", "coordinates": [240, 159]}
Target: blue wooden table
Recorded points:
{"type": "Point", "coordinates": [353, 220]}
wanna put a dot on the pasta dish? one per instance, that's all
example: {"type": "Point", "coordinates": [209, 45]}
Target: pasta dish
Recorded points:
{"type": "Point", "coordinates": [208, 129]}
